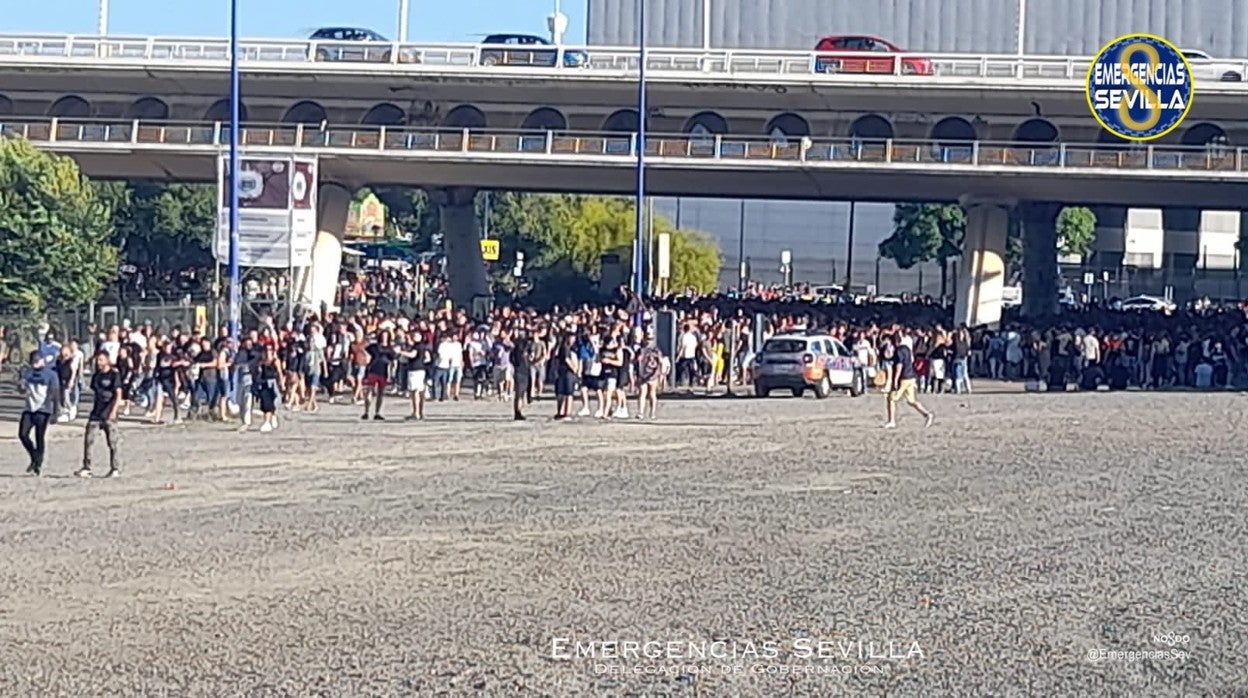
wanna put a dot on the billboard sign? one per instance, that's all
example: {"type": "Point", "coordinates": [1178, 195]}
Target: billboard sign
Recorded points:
{"type": "Point", "coordinates": [277, 212]}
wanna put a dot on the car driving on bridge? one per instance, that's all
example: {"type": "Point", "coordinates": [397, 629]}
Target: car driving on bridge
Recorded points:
{"type": "Point", "coordinates": [355, 45]}
{"type": "Point", "coordinates": [529, 50]}
{"type": "Point", "coordinates": [1206, 67]}
{"type": "Point", "coordinates": [867, 54]}
{"type": "Point", "coordinates": [798, 362]}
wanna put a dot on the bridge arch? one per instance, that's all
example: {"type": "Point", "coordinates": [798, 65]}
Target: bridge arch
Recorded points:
{"type": "Point", "coordinates": [6, 106]}
{"type": "Point", "coordinates": [788, 126]}
{"type": "Point", "coordinates": [622, 121]}
{"type": "Point", "coordinates": [953, 131]}
{"type": "Point", "coordinates": [706, 123]}
{"type": "Point", "coordinates": [1036, 131]}
{"type": "Point", "coordinates": [70, 107]}
{"type": "Point", "coordinates": [545, 119]}
{"type": "Point", "coordinates": [1207, 135]}
{"type": "Point", "coordinates": [148, 109]}
{"type": "Point", "coordinates": [305, 112]}
{"type": "Point", "coordinates": [384, 114]}
{"type": "Point", "coordinates": [871, 127]}
{"type": "Point", "coordinates": [220, 111]}
{"type": "Point", "coordinates": [464, 116]}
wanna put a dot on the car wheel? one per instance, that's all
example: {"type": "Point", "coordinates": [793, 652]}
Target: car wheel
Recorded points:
{"type": "Point", "coordinates": [489, 60]}
{"type": "Point", "coordinates": [798, 392]}
{"type": "Point", "coordinates": [859, 385]}
{"type": "Point", "coordinates": [762, 391]}
{"type": "Point", "coordinates": [824, 387]}
{"type": "Point", "coordinates": [322, 54]}
{"type": "Point", "coordinates": [1232, 77]}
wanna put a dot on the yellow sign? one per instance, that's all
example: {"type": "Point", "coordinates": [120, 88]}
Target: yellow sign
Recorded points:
{"type": "Point", "coordinates": [201, 319]}
{"type": "Point", "coordinates": [490, 250]}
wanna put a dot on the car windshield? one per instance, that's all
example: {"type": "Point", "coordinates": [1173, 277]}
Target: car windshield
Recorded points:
{"type": "Point", "coordinates": [784, 346]}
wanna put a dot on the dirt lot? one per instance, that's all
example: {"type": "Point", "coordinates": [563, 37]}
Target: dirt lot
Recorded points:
{"type": "Point", "coordinates": [1010, 544]}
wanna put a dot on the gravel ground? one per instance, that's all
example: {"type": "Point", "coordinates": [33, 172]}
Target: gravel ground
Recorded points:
{"type": "Point", "coordinates": [453, 557]}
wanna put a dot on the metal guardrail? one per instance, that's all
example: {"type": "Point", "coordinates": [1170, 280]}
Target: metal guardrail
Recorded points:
{"type": "Point", "coordinates": [214, 137]}
{"type": "Point", "coordinates": [180, 52]}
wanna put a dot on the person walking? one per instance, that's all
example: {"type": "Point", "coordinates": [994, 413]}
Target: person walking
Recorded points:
{"type": "Point", "coordinates": [41, 388]}
{"type": "Point", "coordinates": [377, 373]}
{"type": "Point", "coordinates": [521, 357]}
{"type": "Point", "coordinates": [106, 387]}
{"type": "Point", "coordinates": [905, 384]}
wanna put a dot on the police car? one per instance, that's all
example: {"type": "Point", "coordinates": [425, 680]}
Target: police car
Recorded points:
{"type": "Point", "coordinates": [798, 362]}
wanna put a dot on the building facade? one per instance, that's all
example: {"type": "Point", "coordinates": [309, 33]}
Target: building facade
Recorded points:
{"type": "Point", "coordinates": [817, 233]}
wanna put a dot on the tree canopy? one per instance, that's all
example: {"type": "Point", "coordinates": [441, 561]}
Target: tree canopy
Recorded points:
{"type": "Point", "coordinates": [934, 232]}
{"type": "Point", "coordinates": [163, 225]}
{"type": "Point", "coordinates": [56, 246]}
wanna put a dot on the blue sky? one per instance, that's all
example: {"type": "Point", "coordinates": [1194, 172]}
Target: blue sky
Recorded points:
{"type": "Point", "coordinates": [431, 20]}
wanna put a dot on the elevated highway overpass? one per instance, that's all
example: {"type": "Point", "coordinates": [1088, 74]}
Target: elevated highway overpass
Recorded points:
{"type": "Point", "coordinates": [990, 177]}
{"type": "Point", "coordinates": [725, 92]}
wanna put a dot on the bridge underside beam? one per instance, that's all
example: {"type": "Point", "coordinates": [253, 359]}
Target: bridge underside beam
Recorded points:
{"type": "Point", "coordinates": [1040, 273]}
{"type": "Point", "coordinates": [981, 272]}
{"type": "Point", "coordinates": [461, 238]}
{"type": "Point", "coordinates": [320, 284]}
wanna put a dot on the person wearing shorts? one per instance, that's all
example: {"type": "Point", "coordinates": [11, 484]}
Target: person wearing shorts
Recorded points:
{"type": "Point", "coordinates": [377, 373]}
{"type": "Point", "coordinates": [905, 384]}
{"type": "Point", "coordinates": [567, 365]}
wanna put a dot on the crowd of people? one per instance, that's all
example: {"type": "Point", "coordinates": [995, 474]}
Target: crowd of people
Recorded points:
{"type": "Point", "coordinates": [597, 360]}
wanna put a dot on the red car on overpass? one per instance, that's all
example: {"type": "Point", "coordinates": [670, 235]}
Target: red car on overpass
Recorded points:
{"type": "Point", "coordinates": [867, 54]}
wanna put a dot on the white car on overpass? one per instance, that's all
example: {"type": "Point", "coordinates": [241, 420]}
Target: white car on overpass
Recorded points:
{"type": "Point", "coordinates": [1206, 67]}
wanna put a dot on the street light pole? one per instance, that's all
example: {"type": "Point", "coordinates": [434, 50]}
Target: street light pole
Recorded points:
{"type": "Point", "coordinates": [706, 25]}
{"type": "Point", "coordinates": [640, 147]}
{"type": "Point", "coordinates": [1022, 28]}
{"type": "Point", "coordinates": [405, 7]}
{"type": "Point", "coordinates": [235, 127]}
{"type": "Point", "coordinates": [102, 22]}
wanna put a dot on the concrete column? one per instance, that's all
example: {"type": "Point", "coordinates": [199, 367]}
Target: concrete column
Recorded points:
{"type": "Point", "coordinates": [461, 239]}
{"type": "Point", "coordinates": [1180, 239]}
{"type": "Point", "coordinates": [981, 271]}
{"type": "Point", "coordinates": [320, 283]}
{"type": "Point", "coordinates": [1109, 247]}
{"type": "Point", "coordinates": [1039, 258]}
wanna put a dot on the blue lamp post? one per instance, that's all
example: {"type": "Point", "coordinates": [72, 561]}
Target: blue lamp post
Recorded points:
{"type": "Point", "coordinates": [235, 127]}
{"type": "Point", "coordinates": [642, 113]}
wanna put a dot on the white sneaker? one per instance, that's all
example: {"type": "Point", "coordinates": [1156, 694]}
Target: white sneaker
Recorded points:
{"type": "Point", "coordinates": [62, 418]}
{"type": "Point", "coordinates": [598, 413]}
{"type": "Point", "coordinates": [890, 425]}
{"type": "Point", "coordinates": [621, 413]}
{"type": "Point", "coordinates": [266, 428]}
{"type": "Point", "coordinates": [584, 412]}
{"type": "Point", "coordinates": [930, 418]}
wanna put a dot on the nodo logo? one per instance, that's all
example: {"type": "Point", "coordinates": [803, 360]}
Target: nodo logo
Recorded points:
{"type": "Point", "coordinates": [1140, 87]}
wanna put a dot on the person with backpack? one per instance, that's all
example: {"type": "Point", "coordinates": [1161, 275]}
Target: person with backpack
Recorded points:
{"type": "Point", "coordinates": [650, 375]}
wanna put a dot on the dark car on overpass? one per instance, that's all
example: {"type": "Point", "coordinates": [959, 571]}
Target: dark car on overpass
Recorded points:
{"type": "Point", "coordinates": [528, 50]}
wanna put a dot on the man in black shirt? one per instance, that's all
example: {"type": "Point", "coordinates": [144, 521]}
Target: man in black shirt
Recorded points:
{"type": "Point", "coordinates": [377, 373]}
{"type": "Point", "coordinates": [905, 384]}
{"type": "Point", "coordinates": [106, 387]}
{"type": "Point", "coordinates": [522, 370]}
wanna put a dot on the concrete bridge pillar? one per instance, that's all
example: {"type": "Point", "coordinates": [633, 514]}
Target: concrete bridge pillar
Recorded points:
{"type": "Point", "coordinates": [461, 239]}
{"type": "Point", "coordinates": [981, 273]}
{"type": "Point", "coordinates": [1109, 247]}
{"type": "Point", "coordinates": [320, 284]}
{"type": "Point", "coordinates": [1040, 276]}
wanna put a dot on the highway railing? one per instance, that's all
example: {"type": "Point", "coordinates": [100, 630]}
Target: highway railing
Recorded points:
{"type": "Point", "coordinates": [609, 147]}
{"type": "Point", "coordinates": [180, 52]}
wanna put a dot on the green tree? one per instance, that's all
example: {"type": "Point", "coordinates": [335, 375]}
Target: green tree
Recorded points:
{"type": "Point", "coordinates": [55, 230]}
{"type": "Point", "coordinates": [926, 233]}
{"type": "Point", "coordinates": [167, 226]}
{"type": "Point", "coordinates": [1076, 230]}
